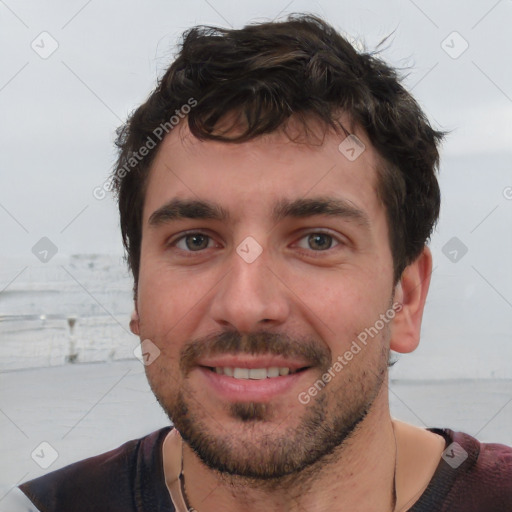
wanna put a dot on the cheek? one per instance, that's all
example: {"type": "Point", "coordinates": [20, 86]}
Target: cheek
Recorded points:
{"type": "Point", "coordinates": [163, 369]}
{"type": "Point", "coordinates": [162, 299]}
{"type": "Point", "coordinates": [343, 298]}
{"type": "Point", "coordinates": [164, 383]}
{"type": "Point", "coordinates": [343, 309]}
{"type": "Point", "coordinates": [172, 307]}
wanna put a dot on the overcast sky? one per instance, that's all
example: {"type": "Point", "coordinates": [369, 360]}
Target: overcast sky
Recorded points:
{"type": "Point", "coordinates": [71, 71]}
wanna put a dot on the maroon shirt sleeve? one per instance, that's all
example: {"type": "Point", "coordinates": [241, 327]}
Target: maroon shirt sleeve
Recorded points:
{"type": "Point", "coordinates": [482, 482]}
{"type": "Point", "coordinates": [127, 479]}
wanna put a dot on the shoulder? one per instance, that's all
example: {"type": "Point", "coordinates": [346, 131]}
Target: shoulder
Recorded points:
{"type": "Point", "coordinates": [480, 474]}
{"type": "Point", "coordinates": [493, 461]}
{"type": "Point", "coordinates": [104, 482]}
{"type": "Point", "coordinates": [494, 469]}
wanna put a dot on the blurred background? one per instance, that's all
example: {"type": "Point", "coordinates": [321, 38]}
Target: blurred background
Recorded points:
{"type": "Point", "coordinates": [71, 72]}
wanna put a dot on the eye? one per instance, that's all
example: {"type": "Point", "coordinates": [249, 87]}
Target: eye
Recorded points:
{"type": "Point", "coordinates": [319, 241]}
{"type": "Point", "coordinates": [193, 242]}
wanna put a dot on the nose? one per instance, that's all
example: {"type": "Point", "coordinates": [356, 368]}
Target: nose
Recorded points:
{"type": "Point", "coordinates": [250, 296]}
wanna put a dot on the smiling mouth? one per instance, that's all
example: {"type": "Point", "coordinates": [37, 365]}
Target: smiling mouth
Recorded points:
{"type": "Point", "coordinates": [255, 373]}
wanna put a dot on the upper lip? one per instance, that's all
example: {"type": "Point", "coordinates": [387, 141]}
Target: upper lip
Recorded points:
{"type": "Point", "coordinates": [249, 361]}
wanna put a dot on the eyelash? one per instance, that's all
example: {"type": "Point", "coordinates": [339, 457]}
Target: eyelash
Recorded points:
{"type": "Point", "coordinates": [305, 235]}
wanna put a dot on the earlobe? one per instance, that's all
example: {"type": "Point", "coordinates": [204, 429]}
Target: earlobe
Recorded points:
{"type": "Point", "coordinates": [134, 321]}
{"type": "Point", "coordinates": [411, 293]}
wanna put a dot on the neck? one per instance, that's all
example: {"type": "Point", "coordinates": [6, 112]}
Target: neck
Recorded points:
{"type": "Point", "coordinates": [359, 476]}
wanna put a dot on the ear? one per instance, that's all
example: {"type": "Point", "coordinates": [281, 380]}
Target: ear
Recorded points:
{"type": "Point", "coordinates": [411, 293]}
{"type": "Point", "coordinates": [134, 321]}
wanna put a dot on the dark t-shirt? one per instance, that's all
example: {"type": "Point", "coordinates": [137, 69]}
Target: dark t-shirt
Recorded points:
{"type": "Point", "coordinates": [471, 477]}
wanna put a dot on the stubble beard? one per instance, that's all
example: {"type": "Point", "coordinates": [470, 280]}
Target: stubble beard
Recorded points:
{"type": "Point", "coordinates": [264, 454]}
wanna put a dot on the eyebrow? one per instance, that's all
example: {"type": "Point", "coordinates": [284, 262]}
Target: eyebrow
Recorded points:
{"type": "Point", "coordinates": [178, 209]}
{"type": "Point", "coordinates": [329, 206]}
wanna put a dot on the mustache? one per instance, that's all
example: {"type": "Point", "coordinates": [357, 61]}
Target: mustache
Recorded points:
{"type": "Point", "coordinates": [255, 343]}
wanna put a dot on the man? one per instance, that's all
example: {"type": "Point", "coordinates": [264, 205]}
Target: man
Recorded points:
{"type": "Point", "coordinates": [276, 193]}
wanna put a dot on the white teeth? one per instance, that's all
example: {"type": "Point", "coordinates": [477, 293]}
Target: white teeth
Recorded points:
{"type": "Point", "coordinates": [257, 373]}
{"type": "Point", "coordinates": [241, 373]}
{"type": "Point", "coordinates": [273, 371]}
{"type": "Point", "coordinates": [252, 373]}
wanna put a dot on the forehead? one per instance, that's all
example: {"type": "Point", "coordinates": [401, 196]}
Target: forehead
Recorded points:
{"type": "Point", "coordinates": [270, 171]}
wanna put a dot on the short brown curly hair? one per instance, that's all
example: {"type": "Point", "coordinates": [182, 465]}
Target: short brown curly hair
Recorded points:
{"type": "Point", "coordinates": [266, 73]}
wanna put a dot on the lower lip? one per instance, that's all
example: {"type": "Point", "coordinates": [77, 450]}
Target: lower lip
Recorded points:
{"type": "Point", "coordinates": [250, 390]}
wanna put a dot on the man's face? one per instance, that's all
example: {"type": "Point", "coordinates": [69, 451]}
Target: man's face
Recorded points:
{"type": "Point", "coordinates": [219, 310]}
